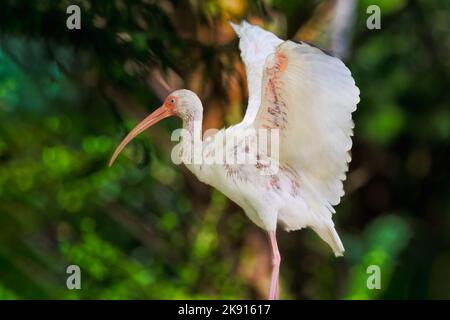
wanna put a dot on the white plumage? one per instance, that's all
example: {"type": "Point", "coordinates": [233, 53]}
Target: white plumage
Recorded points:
{"type": "Point", "coordinates": [316, 96]}
{"type": "Point", "coordinates": [309, 97]}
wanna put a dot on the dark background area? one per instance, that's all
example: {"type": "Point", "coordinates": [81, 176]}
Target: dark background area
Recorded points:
{"type": "Point", "coordinates": [146, 228]}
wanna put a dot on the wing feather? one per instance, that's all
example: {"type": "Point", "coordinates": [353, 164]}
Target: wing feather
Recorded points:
{"type": "Point", "coordinates": [310, 96]}
{"type": "Point", "coordinates": [255, 44]}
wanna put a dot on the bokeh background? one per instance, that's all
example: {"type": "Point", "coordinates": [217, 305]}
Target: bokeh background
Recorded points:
{"type": "Point", "coordinates": [147, 229]}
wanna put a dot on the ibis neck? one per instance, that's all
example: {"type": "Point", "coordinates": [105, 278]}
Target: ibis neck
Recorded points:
{"type": "Point", "coordinates": [191, 139]}
{"type": "Point", "coordinates": [193, 124]}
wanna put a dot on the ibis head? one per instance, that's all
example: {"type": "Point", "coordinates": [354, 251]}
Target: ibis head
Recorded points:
{"type": "Point", "coordinates": [182, 103]}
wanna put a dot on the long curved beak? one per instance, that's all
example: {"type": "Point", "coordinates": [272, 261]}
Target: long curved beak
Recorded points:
{"type": "Point", "coordinates": [156, 116]}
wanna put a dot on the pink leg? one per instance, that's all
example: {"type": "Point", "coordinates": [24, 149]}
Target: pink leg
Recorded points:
{"type": "Point", "coordinates": [276, 258]}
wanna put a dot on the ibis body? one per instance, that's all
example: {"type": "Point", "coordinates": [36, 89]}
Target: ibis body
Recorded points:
{"type": "Point", "coordinates": [308, 97]}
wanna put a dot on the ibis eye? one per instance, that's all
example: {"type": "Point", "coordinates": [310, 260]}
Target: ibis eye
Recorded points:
{"type": "Point", "coordinates": [172, 101]}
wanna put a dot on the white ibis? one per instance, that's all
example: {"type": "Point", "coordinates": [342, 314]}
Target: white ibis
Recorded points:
{"type": "Point", "coordinates": [304, 94]}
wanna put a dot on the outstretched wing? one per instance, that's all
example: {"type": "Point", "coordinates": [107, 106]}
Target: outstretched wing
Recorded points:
{"type": "Point", "coordinates": [309, 96]}
{"type": "Point", "coordinates": [256, 45]}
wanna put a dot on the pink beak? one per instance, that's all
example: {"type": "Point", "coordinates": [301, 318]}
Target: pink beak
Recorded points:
{"type": "Point", "coordinates": [156, 116]}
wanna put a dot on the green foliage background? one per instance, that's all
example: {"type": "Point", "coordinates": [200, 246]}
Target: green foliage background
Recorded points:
{"type": "Point", "coordinates": [144, 229]}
